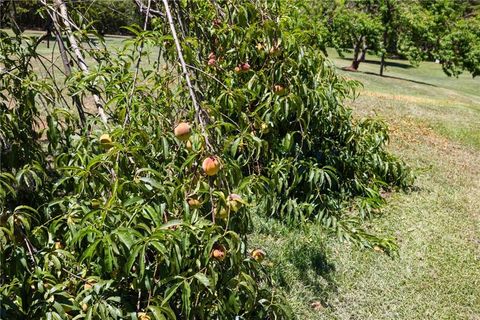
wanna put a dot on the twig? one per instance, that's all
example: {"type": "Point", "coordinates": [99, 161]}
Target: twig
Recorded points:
{"type": "Point", "coordinates": [150, 12]}
{"type": "Point", "coordinates": [63, 14]}
{"type": "Point", "coordinates": [137, 67]}
{"type": "Point", "coordinates": [139, 299]}
{"type": "Point", "coordinates": [198, 110]}
{"type": "Point", "coordinates": [207, 74]}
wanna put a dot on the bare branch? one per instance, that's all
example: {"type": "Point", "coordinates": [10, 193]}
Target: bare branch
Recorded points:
{"type": "Point", "coordinates": [137, 67]}
{"type": "Point", "coordinates": [151, 12]}
{"type": "Point", "coordinates": [61, 18]}
{"type": "Point", "coordinates": [199, 113]}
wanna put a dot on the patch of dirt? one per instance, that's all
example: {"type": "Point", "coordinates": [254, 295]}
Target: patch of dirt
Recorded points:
{"type": "Point", "coordinates": [402, 98]}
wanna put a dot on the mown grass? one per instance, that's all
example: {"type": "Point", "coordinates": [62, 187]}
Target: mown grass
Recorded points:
{"type": "Point", "coordinates": [434, 127]}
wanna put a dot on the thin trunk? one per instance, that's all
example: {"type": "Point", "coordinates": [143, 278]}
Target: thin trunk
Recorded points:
{"type": "Point", "coordinates": [387, 20]}
{"type": "Point", "coordinates": [362, 56]}
{"type": "Point", "coordinates": [364, 50]}
{"type": "Point", "coordinates": [13, 14]}
{"type": "Point", "coordinates": [382, 64]}
{"type": "Point", "coordinates": [63, 15]}
{"type": "Point", "coordinates": [1, 14]}
{"type": "Point", "coordinates": [382, 61]}
{"type": "Point", "coordinates": [356, 53]}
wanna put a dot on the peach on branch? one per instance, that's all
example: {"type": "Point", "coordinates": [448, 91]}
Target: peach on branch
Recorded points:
{"type": "Point", "coordinates": [258, 255]}
{"type": "Point", "coordinates": [245, 67]}
{"type": "Point", "coordinates": [183, 131]}
{"type": "Point", "coordinates": [105, 141]}
{"type": "Point", "coordinates": [211, 166]}
{"type": "Point", "coordinates": [279, 90]}
{"type": "Point", "coordinates": [212, 61]}
{"type": "Point", "coordinates": [194, 203]}
{"type": "Point", "coordinates": [218, 252]}
{"type": "Point", "coordinates": [234, 202]}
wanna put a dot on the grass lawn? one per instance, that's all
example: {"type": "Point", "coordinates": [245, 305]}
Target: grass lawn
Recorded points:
{"type": "Point", "coordinates": [434, 122]}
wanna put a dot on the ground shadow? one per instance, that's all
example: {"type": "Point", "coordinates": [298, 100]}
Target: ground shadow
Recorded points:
{"type": "Point", "coordinates": [313, 270]}
{"type": "Point", "coordinates": [388, 77]}
{"type": "Point", "coordinates": [388, 63]}
{"type": "Point", "coordinates": [397, 78]}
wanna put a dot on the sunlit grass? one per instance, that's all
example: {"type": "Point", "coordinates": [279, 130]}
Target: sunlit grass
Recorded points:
{"type": "Point", "coordinates": [434, 127]}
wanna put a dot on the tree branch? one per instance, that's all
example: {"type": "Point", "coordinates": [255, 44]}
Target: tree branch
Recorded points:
{"type": "Point", "coordinates": [61, 12]}
{"type": "Point", "coordinates": [198, 109]}
{"type": "Point", "coordinates": [137, 66]}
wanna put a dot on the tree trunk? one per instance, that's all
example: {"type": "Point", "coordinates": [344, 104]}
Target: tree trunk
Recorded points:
{"type": "Point", "coordinates": [382, 61]}
{"type": "Point", "coordinates": [387, 21]}
{"type": "Point", "coordinates": [356, 55]}
{"type": "Point", "coordinates": [382, 64]}
{"type": "Point", "coordinates": [364, 50]}
{"type": "Point", "coordinates": [13, 15]}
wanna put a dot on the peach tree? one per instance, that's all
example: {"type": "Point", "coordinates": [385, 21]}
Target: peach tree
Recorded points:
{"type": "Point", "coordinates": [211, 112]}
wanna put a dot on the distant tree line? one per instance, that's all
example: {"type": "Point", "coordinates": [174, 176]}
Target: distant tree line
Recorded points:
{"type": "Point", "coordinates": [447, 31]}
{"type": "Point", "coordinates": [106, 16]}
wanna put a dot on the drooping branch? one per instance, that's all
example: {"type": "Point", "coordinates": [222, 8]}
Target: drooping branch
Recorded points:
{"type": "Point", "coordinates": [60, 16]}
{"type": "Point", "coordinates": [137, 66]}
{"type": "Point", "coordinates": [66, 65]}
{"type": "Point", "coordinates": [199, 113]}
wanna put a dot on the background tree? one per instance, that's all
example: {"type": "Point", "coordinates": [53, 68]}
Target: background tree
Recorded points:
{"type": "Point", "coordinates": [415, 30]}
{"type": "Point", "coordinates": [357, 24]}
{"type": "Point", "coordinates": [454, 37]}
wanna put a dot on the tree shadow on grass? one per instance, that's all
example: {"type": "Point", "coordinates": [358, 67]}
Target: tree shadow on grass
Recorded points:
{"type": "Point", "coordinates": [388, 77]}
{"type": "Point", "coordinates": [398, 78]}
{"type": "Point", "coordinates": [306, 263]}
{"type": "Point", "coordinates": [388, 63]}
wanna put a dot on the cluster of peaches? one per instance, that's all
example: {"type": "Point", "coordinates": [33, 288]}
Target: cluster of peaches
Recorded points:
{"type": "Point", "coordinates": [211, 166]}
{"type": "Point", "coordinates": [244, 67]}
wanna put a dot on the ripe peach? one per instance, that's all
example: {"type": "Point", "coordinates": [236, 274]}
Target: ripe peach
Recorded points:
{"type": "Point", "coordinates": [194, 203]}
{"type": "Point", "coordinates": [218, 252]}
{"type": "Point", "coordinates": [245, 67]}
{"type": "Point", "coordinates": [211, 165]}
{"type": "Point", "coordinates": [89, 284]}
{"type": "Point", "coordinates": [143, 316]}
{"type": "Point", "coordinates": [216, 23]}
{"type": "Point", "coordinates": [212, 56]}
{"type": "Point", "coordinates": [258, 254]}
{"type": "Point", "coordinates": [211, 62]}
{"type": "Point", "coordinates": [183, 131]}
{"type": "Point", "coordinates": [237, 69]}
